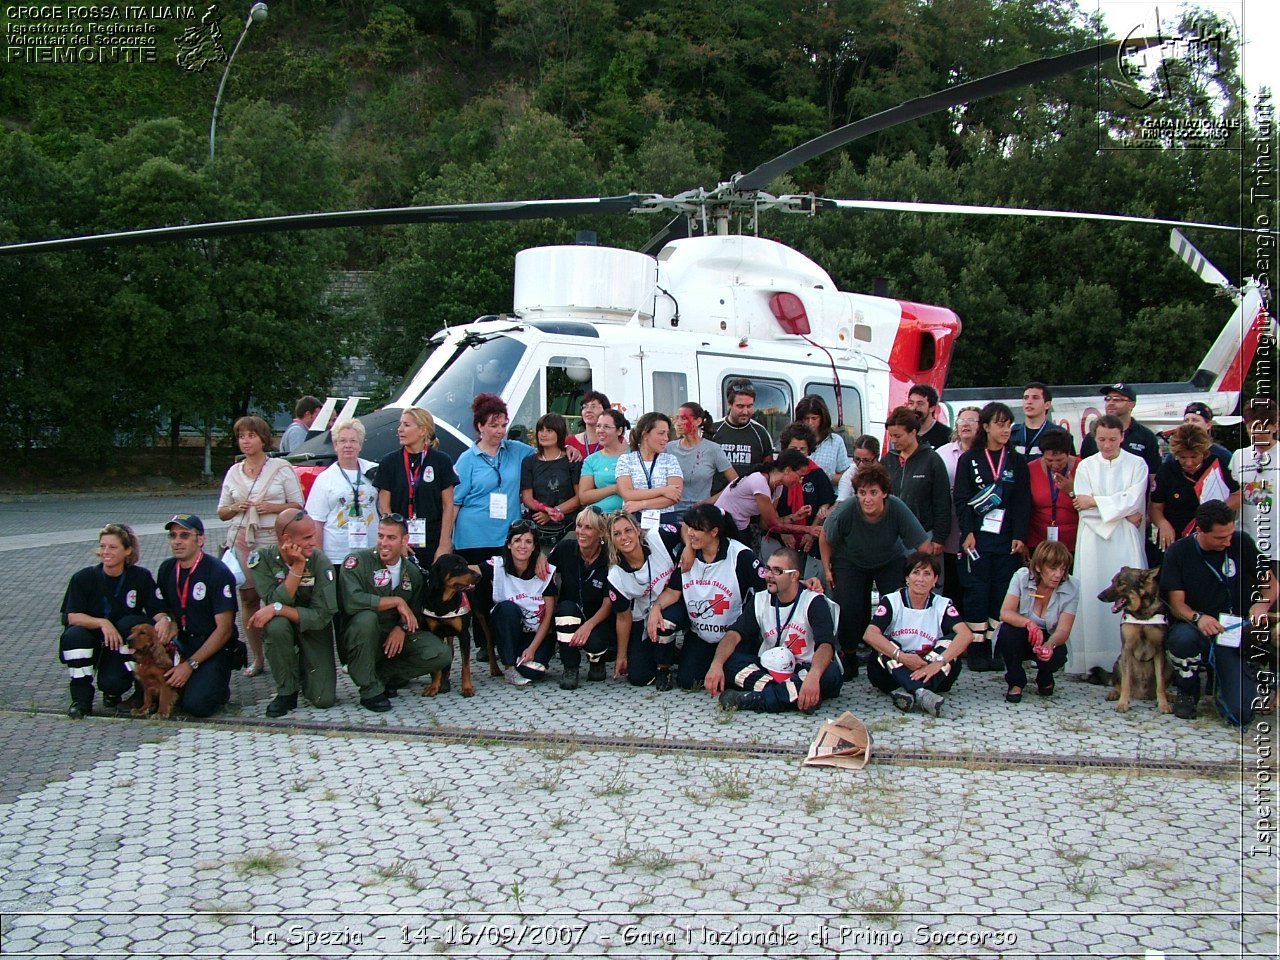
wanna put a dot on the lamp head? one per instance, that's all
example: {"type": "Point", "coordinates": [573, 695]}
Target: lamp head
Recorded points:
{"type": "Point", "coordinates": [258, 12]}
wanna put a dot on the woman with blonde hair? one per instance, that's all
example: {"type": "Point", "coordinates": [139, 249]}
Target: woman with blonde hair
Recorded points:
{"type": "Point", "coordinates": [1036, 619]}
{"type": "Point", "coordinates": [253, 492]}
{"type": "Point", "coordinates": [583, 611]}
{"type": "Point", "coordinates": [417, 482]}
{"type": "Point", "coordinates": [102, 604]}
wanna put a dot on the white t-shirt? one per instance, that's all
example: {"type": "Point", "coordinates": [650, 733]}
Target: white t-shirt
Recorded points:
{"type": "Point", "coordinates": [345, 500]}
{"type": "Point", "coordinates": [648, 475]}
{"type": "Point", "coordinates": [1258, 473]}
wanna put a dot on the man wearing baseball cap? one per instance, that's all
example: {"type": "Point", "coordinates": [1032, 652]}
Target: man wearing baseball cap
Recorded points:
{"type": "Point", "coordinates": [1118, 399]}
{"type": "Point", "coordinates": [198, 594]}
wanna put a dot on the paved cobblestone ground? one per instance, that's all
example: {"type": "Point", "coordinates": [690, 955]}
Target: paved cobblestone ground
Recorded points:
{"type": "Point", "coordinates": [169, 839]}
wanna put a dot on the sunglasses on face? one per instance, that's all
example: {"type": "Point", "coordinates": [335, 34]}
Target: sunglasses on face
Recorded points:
{"type": "Point", "coordinates": [781, 571]}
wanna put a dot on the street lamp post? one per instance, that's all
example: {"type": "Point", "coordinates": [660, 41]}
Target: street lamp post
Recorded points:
{"type": "Point", "coordinates": [257, 12]}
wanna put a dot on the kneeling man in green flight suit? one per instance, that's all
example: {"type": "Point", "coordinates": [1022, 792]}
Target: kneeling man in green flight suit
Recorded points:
{"type": "Point", "coordinates": [382, 594]}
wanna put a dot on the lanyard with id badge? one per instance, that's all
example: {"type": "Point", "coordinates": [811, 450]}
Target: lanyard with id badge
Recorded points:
{"type": "Point", "coordinates": [993, 517]}
{"type": "Point", "coordinates": [498, 499]}
{"type": "Point", "coordinates": [650, 519]}
{"type": "Point", "coordinates": [417, 525]}
{"type": "Point", "coordinates": [1233, 624]}
{"type": "Point", "coordinates": [357, 528]}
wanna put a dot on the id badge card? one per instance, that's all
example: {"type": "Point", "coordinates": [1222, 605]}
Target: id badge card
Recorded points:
{"type": "Point", "coordinates": [1052, 533]}
{"type": "Point", "coordinates": [497, 506]}
{"type": "Point", "coordinates": [650, 519]}
{"type": "Point", "coordinates": [1233, 630]}
{"type": "Point", "coordinates": [417, 532]}
{"type": "Point", "coordinates": [357, 535]}
{"type": "Point", "coordinates": [993, 521]}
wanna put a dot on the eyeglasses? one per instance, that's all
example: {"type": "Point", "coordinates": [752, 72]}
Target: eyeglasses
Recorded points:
{"type": "Point", "coordinates": [780, 571]}
{"type": "Point", "coordinates": [1117, 398]}
{"type": "Point", "coordinates": [300, 515]}
{"type": "Point", "coordinates": [858, 459]}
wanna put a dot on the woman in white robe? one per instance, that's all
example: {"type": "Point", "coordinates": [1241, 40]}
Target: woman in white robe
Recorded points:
{"type": "Point", "coordinates": [1110, 495]}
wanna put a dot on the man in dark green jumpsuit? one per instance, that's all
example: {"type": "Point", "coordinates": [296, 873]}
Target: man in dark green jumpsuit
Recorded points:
{"type": "Point", "coordinates": [299, 596]}
{"type": "Point", "coordinates": [382, 595]}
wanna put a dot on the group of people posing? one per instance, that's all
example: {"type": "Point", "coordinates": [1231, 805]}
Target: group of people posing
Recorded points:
{"type": "Point", "coordinates": [610, 544]}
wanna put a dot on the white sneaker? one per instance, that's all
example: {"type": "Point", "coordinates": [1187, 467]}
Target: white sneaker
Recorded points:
{"type": "Point", "coordinates": [513, 677]}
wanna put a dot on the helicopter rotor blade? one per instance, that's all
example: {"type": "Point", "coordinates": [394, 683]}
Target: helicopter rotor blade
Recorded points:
{"type": "Point", "coordinates": [1019, 76]}
{"type": "Point", "coordinates": [908, 206]}
{"type": "Point", "coordinates": [442, 213]}
{"type": "Point", "coordinates": [1197, 261]}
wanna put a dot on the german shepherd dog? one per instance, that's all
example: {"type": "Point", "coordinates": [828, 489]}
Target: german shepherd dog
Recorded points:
{"type": "Point", "coordinates": [1142, 664]}
{"type": "Point", "coordinates": [447, 614]}
{"type": "Point", "coordinates": [152, 660]}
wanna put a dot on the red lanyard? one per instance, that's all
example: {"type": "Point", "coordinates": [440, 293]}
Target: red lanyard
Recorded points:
{"type": "Point", "coordinates": [185, 588]}
{"type": "Point", "coordinates": [413, 477]}
{"type": "Point", "coordinates": [996, 470]}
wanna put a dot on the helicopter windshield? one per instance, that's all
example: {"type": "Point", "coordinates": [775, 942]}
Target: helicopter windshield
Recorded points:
{"type": "Point", "coordinates": [479, 364]}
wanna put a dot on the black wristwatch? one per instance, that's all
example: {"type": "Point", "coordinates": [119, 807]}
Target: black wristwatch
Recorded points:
{"type": "Point", "coordinates": [1195, 616]}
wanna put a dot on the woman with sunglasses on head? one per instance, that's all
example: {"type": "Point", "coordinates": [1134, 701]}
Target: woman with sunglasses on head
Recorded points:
{"type": "Point", "coordinates": [649, 478]}
{"type": "Point", "coordinates": [549, 482]}
{"type": "Point", "coordinates": [598, 484]}
{"type": "Point", "coordinates": [640, 564]}
{"type": "Point", "coordinates": [992, 497]}
{"type": "Point", "coordinates": [866, 449]}
{"type": "Point", "coordinates": [103, 603]}
{"type": "Point", "coordinates": [418, 482]}
{"type": "Point", "coordinates": [253, 492]}
{"type": "Point", "coordinates": [583, 610]}
{"type": "Point", "coordinates": [829, 453]}
{"type": "Point", "coordinates": [700, 459]}
{"type": "Point", "coordinates": [523, 606]}
{"type": "Point", "coordinates": [586, 443]}
{"type": "Point", "coordinates": [721, 578]}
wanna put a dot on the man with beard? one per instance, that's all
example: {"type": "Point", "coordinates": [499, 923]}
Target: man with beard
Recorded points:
{"type": "Point", "coordinates": [199, 597]}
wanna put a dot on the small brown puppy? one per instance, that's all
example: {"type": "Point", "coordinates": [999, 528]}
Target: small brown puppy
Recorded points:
{"type": "Point", "coordinates": [447, 614]}
{"type": "Point", "coordinates": [151, 662]}
{"type": "Point", "coordinates": [1142, 669]}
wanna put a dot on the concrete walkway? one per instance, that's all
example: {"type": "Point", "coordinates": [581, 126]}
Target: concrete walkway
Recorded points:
{"type": "Point", "coordinates": [605, 821]}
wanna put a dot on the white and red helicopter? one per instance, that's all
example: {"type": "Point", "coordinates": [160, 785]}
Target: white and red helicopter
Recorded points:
{"type": "Point", "coordinates": [698, 308]}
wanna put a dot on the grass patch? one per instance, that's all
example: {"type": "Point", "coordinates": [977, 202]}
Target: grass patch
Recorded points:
{"type": "Point", "coordinates": [730, 785]}
{"type": "Point", "coordinates": [264, 862]}
{"type": "Point", "coordinates": [881, 904]}
{"type": "Point", "coordinates": [403, 870]}
{"type": "Point", "coordinates": [644, 858]}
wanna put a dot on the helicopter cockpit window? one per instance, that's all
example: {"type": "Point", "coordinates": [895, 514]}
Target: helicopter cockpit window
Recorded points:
{"type": "Point", "coordinates": [851, 428]}
{"type": "Point", "coordinates": [479, 365]}
{"type": "Point", "coordinates": [774, 407]}
{"type": "Point", "coordinates": [568, 378]}
{"type": "Point", "coordinates": [524, 417]}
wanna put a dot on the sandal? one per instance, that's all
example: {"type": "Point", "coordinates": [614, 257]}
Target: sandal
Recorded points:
{"type": "Point", "coordinates": [253, 670]}
{"type": "Point", "coordinates": [1011, 697]}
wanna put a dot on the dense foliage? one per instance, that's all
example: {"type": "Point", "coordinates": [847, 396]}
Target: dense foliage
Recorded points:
{"type": "Point", "coordinates": [337, 103]}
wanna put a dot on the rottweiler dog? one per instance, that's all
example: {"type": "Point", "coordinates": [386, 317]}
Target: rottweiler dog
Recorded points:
{"type": "Point", "coordinates": [447, 614]}
{"type": "Point", "coordinates": [152, 660]}
{"type": "Point", "coordinates": [1142, 670]}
